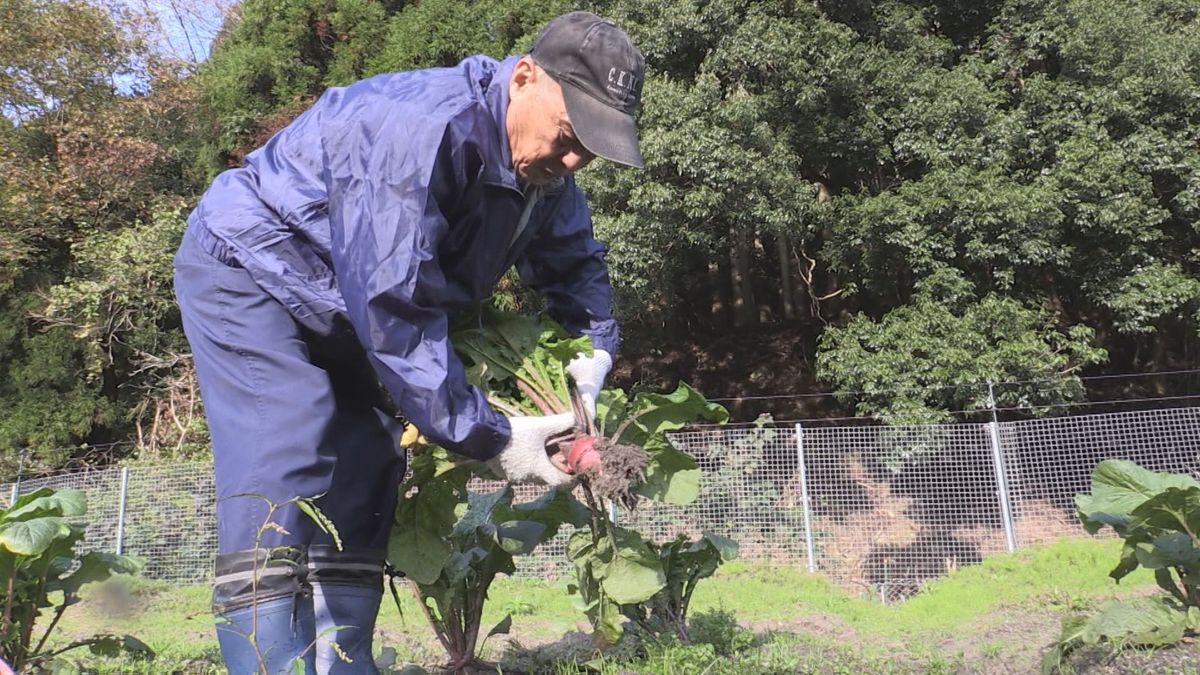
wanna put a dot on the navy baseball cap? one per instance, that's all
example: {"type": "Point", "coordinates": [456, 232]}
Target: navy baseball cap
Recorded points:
{"type": "Point", "coordinates": [601, 72]}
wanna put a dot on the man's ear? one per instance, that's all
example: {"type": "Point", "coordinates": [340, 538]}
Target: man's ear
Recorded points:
{"type": "Point", "coordinates": [524, 76]}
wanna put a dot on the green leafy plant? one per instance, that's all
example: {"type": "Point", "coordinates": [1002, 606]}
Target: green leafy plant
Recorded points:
{"type": "Point", "coordinates": [37, 560]}
{"type": "Point", "coordinates": [1158, 517]}
{"type": "Point", "coordinates": [452, 543]}
{"type": "Point", "coordinates": [684, 563]}
{"type": "Point", "coordinates": [719, 627]}
{"type": "Point", "coordinates": [521, 362]}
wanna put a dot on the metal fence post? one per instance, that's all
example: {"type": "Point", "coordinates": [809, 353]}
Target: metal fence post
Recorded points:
{"type": "Point", "coordinates": [1001, 474]}
{"type": "Point", "coordinates": [16, 488]}
{"type": "Point", "coordinates": [121, 510]}
{"type": "Point", "coordinates": [810, 549]}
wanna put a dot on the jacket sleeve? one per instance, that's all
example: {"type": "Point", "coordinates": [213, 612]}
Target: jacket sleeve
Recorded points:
{"type": "Point", "coordinates": [566, 263]}
{"type": "Point", "coordinates": [386, 225]}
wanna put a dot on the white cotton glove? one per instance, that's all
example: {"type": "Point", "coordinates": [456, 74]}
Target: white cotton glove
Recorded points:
{"type": "Point", "coordinates": [589, 373]}
{"type": "Point", "coordinates": [524, 459]}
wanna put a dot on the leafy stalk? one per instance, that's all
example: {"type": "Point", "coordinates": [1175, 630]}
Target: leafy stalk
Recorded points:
{"type": "Point", "coordinates": [9, 596]}
{"type": "Point", "coordinates": [543, 404]}
{"type": "Point", "coordinates": [438, 629]}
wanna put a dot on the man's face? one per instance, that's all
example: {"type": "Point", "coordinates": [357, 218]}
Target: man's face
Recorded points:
{"type": "Point", "coordinates": [540, 137]}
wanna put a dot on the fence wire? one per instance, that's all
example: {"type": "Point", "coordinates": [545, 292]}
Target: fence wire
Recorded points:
{"type": "Point", "coordinates": [879, 509]}
{"type": "Point", "coordinates": [894, 506]}
{"type": "Point", "coordinates": [1049, 461]}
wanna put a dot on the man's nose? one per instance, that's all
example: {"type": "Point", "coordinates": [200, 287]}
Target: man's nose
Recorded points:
{"type": "Point", "coordinates": [574, 161]}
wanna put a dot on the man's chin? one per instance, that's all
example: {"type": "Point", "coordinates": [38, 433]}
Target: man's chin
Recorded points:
{"type": "Point", "coordinates": [537, 177]}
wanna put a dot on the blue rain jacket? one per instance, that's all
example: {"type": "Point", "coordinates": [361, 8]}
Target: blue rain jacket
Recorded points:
{"type": "Point", "coordinates": [390, 204]}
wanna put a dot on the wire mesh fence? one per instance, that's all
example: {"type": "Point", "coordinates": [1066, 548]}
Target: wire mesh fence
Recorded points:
{"type": "Point", "coordinates": [880, 509]}
{"type": "Point", "coordinates": [893, 506]}
{"type": "Point", "coordinates": [1049, 461]}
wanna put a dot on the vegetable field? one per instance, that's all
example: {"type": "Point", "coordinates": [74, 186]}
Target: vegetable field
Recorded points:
{"type": "Point", "coordinates": [998, 617]}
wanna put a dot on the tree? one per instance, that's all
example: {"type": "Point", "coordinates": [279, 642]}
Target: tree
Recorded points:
{"type": "Point", "coordinates": [59, 53]}
{"type": "Point", "coordinates": [932, 356]}
{"type": "Point", "coordinates": [83, 163]}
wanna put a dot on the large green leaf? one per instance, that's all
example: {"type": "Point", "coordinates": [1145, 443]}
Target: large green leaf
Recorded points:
{"type": "Point", "coordinates": [1118, 487]}
{"type": "Point", "coordinates": [563, 350]}
{"type": "Point", "coordinates": [115, 645]}
{"type": "Point", "coordinates": [608, 620]}
{"type": "Point", "coordinates": [1173, 509]}
{"type": "Point", "coordinates": [1127, 563]}
{"type": "Point", "coordinates": [1170, 550]}
{"type": "Point", "coordinates": [658, 414]}
{"type": "Point", "coordinates": [632, 572]}
{"type": "Point", "coordinates": [1166, 581]}
{"type": "Point", "coordinates": [671, 476]}
{"type": "Point", "coordinates": [519, 332]}
{"type": "Point", "coordinates": [580, 546]}
{"type": "Point", "coordinates": [726, 547]}
{"type": "Point", "coordinates": [503, 627]}
{"type": "Point", "coordinates": [33, 537]}
{"type": "Point", "coordinates": [419, 544]}
{"type": "Point", "coordinates": [459, 566]}
{"type": "Point", "coordinates": [418, 552]}
{"type": "Point", "coordinates": [1139, 621]}
{"type": "Point", "coordinates": [612, 406]}
{"type": "Point", "coordinates": [45, 501]}
{"type": "Point", "coordinates": [553, 509]}
{"type": "Point", "coordinates": [97, 566]}
{"type": "Point", "coordinates": [480, 508]}
{"type": "Point", "coordinates": [632, 579]}
{"type": "Point", "coordinates": [519, 537]}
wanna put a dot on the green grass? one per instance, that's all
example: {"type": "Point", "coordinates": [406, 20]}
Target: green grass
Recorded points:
{"type": "Point", "coordinates": [1055, 575]}
{"type": "Point", "coordinates": [776, 602]}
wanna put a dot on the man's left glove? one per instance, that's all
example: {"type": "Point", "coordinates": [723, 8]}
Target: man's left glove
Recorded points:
{"type": "Point", "coordinates": [524, 459]}
{"type": "Point", "coordinates": [589, 373]}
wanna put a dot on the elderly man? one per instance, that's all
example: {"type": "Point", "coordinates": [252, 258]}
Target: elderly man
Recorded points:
{"type": "Point", "coordinates": [316, 283]}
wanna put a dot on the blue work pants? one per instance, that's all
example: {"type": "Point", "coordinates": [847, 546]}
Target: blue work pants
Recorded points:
{"type": "Point", "coordinates": [292, 414]}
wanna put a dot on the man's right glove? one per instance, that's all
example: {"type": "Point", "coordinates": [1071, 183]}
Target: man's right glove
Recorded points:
{"type": "Point", "coordinates": [524, 459]}
{"type": "Point", "coordinates": [589, 373]}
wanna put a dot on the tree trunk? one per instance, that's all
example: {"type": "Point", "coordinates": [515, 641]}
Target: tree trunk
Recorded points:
{"type": "Point", "coordinates": [718, 284]}
{"type": "Point", "coordinates": [787, 289]}
{"type": "Point", "coordinates": [745, 308]}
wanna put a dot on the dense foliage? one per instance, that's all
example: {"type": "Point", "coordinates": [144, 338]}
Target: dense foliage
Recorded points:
{"type": "Point", "coordinates": [921, 192]}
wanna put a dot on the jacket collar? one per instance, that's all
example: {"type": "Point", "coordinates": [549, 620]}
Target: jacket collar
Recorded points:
{"type": "Point", "coordinates": [496, 97]}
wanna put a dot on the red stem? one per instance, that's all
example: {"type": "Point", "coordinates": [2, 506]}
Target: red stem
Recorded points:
{"type": "Point", "coordinates": [542, 404]}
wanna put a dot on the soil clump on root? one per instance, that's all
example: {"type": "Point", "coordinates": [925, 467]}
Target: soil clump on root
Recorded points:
{"type": "Point", "coordinates": [622, 469]}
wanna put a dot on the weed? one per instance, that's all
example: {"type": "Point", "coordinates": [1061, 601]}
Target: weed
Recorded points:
{"type": "Point", "coordinates": [719, 628]}
{"type": "Point", "coordinates": [518, 607]}
{"type": "Point", "coordinates": [992, 650]}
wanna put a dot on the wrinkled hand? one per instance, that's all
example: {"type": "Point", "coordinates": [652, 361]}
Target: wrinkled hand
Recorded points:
{"type": "Point", "coordinates": [589, 373]}
{"type": "Point", "coordinates": [524, 459]}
